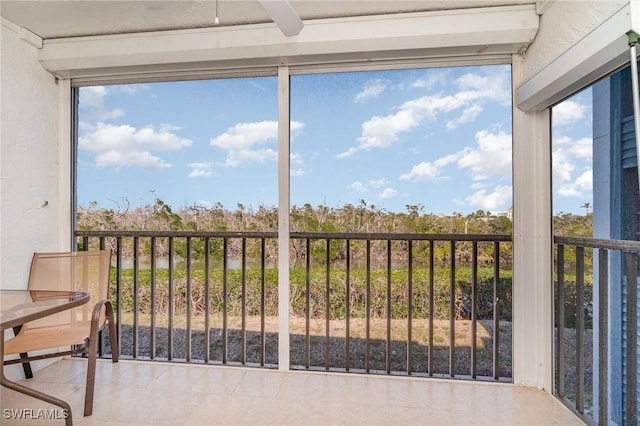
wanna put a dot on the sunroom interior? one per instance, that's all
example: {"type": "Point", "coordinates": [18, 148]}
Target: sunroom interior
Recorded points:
{"type": "Point", "coordinates": [51, 48]}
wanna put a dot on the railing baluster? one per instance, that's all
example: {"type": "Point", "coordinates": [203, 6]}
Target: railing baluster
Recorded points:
{"type": "Point", "coordinates": [631, 399]}
{"type": "Point", "coordinates": [603, 338]}
{"type": "Point", "coordinates": [136, 307]}
{"type": "Point", "coordinates": [189, 302]}
{"type": "Point", "coordinates": [101, 246]}
{"type": "Point", "coordinates": [560, 321]}
{"type": "Point", "coordinates": [153, 298]}
{"type": "Point", "coordinates": [327, 306]}
{"type": "Point", "coordinates": [388, 308]}
{"type": "Point", "coordinates": [171, 302]}
{"type": "Point", "coordinates": [474, 308]}
{"type": "Point", "coordinates": [580, 329]}
{"type": "Point", "coordinates": [263, 340]}
{"type": "Point", "coordinates": [207, 300]}
{"type": "Point", "coordinates": [119, 292]}
{"type": "Point", "coordinates": [452, 310]}
{"type": "Point", "coordinates": [225, 299]}
{"type": "Point", "coordinates": [347, 341]}
{"type": "Point", "coordinates": [431, 307]}
{"type": "Point", "coordinates": [409, 307]}
{"type": "Point", "coordinates": [367, 308]}
{"type": "Point", "coordinates": [243, 331]}
{"type": "Point", "coordinates": [496, 310]}
{"type": "Point", "coordinates": [308, 305]}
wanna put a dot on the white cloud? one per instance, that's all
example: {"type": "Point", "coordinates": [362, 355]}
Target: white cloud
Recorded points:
{"type": "Point", "coordinates": [568, 155]}
{"type": "Point", "coordinates": [374, 185]}
{"type": "Point", "coordinates": [92, 98]}
{"type": "Point", "coordinates": [132, 89]}
{"type": "Point", "coordinates": [246, 135]}
{"type": "Point", "coordinates": [434, 78]}
{"type": "Point", "coordinates": [117, 159]}
{"type": "Point", "coordinates": [378, 183]}
{"type": "Point", "coordinates": [348, 153]}
{"type": "Point", "coordinates": [581, 187]}
{"type": "Point", "coordinates": [422, 172]}
{"type": "Point", "coordinates": [494, 86]}
{"type": "Point", "coordinates": [467, 116]}
{"type": "Point", "coordinates": [243, 156]}
{"type": "Point", "coordinates": [384, 131]}
{"type": "Point", "coordinates": [579, 148]}
{"type": "Point", "coordinates": [241, 141]}
{"type": "Point", "coordinates": [498, 199]}
{"type": "Point", "coordinates": [358, 187]}
{"type": "Point", "coordinates": [568, 112]}
{"type": "Point", "coordinates": [297, 172]}
{"type": "Point", "coordinates": [295, 158]}
{"type": "Point", "coordinates": [124, 145]}
{"type": "Point", "coordinates": [449, 159]}
{"type": "Point", "coordinates": [492, 157]}
{"type": "Point", "coordinates": [202, 169]}
{"type": "Point", "coordinates": [387, 193]}
{"type": "Point", "coordinates": [372, 89]}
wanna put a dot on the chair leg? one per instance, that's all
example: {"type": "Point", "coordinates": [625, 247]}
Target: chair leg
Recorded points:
{"type": "Point", "coordinates": [113, 336]}
{"type": "Point", "coordinates": [91, 370]}
{"type": "Point", "coordinates": [26, 365]}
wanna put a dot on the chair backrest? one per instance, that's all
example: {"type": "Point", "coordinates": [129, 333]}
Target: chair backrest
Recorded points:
{"type": "Point", "coordinates": [86, 271]}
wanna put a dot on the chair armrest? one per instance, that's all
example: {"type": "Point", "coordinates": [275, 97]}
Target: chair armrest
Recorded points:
{"type": "Point", "coordinates": [97, 309]}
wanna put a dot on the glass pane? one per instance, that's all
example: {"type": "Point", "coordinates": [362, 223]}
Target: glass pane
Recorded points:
{"type": "Point", "coordinates": [186, 156]}
{"type": "Point", "coordinates": [435, 139]}
{"type": "Point", "coordinates": [179, 145]}
{"type": "Point", "coordinates": [572, 165]}
{"type": "Point", "coordinates": [416, 151]}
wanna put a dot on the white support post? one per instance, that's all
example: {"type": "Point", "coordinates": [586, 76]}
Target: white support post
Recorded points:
{"type": "Point", "coordinates": [64, 201]}
{"type": "Point", "coordinates": [283, 218]}
{"type": "Point", "coordinates": [532, 245]}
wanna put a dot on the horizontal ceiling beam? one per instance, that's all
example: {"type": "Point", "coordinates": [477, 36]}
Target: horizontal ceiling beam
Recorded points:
{"type": "Point", "coordinates": [602, 51]}
{"type": "Point", "coordinates": [442, 34]}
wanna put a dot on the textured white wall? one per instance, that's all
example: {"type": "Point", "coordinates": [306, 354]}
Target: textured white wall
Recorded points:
{"type": "Point", "coordinates": [29, 158]}
{"type": "Point", "coordinates": [563, 23]}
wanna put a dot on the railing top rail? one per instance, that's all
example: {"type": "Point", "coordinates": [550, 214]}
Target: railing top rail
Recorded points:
{"type": "Point", "coordinates": [298, 235]}
{"type": "Point", "coordinates": [178, 234]}
{"type": "Point", "coordinates": [400, 236]}
{"type": "Point", "coordinates": [621, 245]}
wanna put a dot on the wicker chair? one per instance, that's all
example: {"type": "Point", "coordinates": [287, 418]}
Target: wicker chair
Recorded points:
{"type": "Point", "coordinates": [78, 328]}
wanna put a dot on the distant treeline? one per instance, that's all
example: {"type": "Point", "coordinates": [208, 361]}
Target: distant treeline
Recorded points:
{"type": "Point", "coordinates": [348, 218]}
{"type": "Point", "coordinates": [361, 218]}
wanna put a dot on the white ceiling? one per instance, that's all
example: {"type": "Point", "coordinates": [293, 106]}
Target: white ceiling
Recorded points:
{"type": "Point", "coordinates": [62, 18]}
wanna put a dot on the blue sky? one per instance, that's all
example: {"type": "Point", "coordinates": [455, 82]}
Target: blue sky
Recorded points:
{"type": "Point", "coordinates": [440, 138]}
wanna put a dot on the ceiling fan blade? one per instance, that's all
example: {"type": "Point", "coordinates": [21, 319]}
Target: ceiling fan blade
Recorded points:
{"type": "Point", "coordinates": [283, 15]}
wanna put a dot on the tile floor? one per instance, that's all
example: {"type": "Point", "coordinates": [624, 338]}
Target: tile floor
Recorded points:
{"type": "Point", "coordinates": [145, 393]}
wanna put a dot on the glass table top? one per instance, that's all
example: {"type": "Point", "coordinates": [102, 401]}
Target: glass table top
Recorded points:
{"type": "Point", "coordinates": [20, 306]}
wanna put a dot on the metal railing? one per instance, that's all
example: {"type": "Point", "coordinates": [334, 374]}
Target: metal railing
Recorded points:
{"type": "Point", "coordinates": [587, 271]}
{"type": "Point", "coordinates": [415, 304]}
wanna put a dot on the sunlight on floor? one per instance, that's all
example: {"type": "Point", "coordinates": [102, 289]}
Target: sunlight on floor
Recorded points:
{"type": "Point", "coordinates": [149, 393]}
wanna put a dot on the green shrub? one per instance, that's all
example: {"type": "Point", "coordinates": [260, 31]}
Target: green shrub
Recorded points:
{"type": "Point", "coordinates": [378, 282]}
